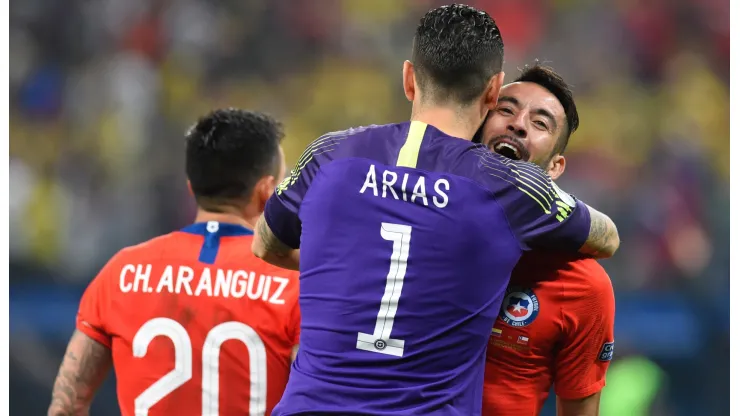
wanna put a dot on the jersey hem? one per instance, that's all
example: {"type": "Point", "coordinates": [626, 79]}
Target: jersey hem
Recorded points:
{"type": "Point", "coordinates": [577, 394]}
{"type": "Point", "coordinates": [95, 334]}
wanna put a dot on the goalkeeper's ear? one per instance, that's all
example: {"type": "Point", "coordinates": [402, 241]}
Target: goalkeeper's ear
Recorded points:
{"type": "Point", "coordinates": [478, 137]}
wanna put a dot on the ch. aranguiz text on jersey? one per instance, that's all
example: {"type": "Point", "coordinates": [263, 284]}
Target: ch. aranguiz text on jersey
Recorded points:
{"type": "Point", "coordinates": [188, 313]}
{"type": "Point", "coordinates": [208, 281]}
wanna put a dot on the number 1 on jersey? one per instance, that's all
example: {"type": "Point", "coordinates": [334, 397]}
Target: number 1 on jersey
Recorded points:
{"type": "Point", "coordinates": [380, 340]}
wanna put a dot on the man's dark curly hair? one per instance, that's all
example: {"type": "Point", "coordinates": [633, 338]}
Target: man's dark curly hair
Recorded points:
{"type": "Point", "coordinates": [457, 50]}
{"type": "Point", "coordinates": [227, 152]}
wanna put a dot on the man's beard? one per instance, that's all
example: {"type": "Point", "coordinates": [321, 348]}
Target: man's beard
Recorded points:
{"type": "Point", "coordinates": [544, 163]}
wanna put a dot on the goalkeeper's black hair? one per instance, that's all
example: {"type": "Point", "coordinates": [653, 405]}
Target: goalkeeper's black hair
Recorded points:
{"type": "Point", "coordinates": [457, 50]}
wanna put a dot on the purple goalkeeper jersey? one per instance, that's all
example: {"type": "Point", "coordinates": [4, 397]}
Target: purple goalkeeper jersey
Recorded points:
{"type": "Point", "coordinates": [408, 238]}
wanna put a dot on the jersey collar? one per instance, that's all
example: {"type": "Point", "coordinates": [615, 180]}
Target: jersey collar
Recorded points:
{"type": "Point", "coordinates": [221, 228]}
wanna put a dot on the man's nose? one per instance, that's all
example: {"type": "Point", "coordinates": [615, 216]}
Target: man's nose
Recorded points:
{"type": "Point", "coordinates": [518, 124]}
{"type": "Point", "coordinates": [517, 129]}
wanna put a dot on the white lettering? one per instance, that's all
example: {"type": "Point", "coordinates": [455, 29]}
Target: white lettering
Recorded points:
{"type": "Point", "coordinates": [251, 292]}
{"type": "Point", "coordinates": [223, 283]}
{"type": "Point", "coordinates": [266, 292]}
{"type": "Point", "coordinates": [442, 201]}
{"type": "Point", "coordinates": [276, 296]}
{"type": "Point", "coordinates": [142, 276]}
{"type": "Point", "coordinates": [390, 185]}
{"type": "Point", "coordinates": [403, 186]}
{"type": "Point", "coordinates": [420, 191]}
{"type": "Point", "coordinates": [389, 178]}
{"type": "Point", "coordinates": [239, 280]}
{"type": "Point", "coordinates": [210, 282]}
{"type": "Point", "coordinates": [166, 281]}
{"type": "Point", "coordinates": [126, 287]}
{"type": "Point", "coordinates": [370, 181]}
{"type": "Point", "coordinates": [204, 285]}
{"type": "Point", "coordinates": [184, 277]}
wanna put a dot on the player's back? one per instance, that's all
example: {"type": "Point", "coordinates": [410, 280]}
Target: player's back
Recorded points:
{"type": "Point", "coordinates": [198, 325]}
{"type": "Point", "coordinates": [400, 233]}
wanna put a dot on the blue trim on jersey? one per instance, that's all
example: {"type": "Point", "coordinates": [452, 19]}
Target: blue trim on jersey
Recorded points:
{"type": "Point", "coordinates": [212, 231]}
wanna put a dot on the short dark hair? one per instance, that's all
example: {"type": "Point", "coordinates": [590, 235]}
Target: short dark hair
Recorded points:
{"type": "Point", "coordinates": [547, 78]}
{"type": "Point", "coordinates": [227, 152]}
{"type": "Point", "coordinates": [457, 49]}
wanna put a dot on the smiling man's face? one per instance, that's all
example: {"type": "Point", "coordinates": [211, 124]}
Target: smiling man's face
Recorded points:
{"type": "Point", "coordinates": [526, 125]}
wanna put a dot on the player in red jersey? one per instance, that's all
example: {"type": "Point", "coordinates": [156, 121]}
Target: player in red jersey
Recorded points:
{"type": "Point", "coordinates": [556, 324]}
{"type": "Point", "coordinates": [192, 323]}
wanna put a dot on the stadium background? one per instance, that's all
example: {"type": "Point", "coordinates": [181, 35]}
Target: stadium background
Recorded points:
{"type": "Point", "coordinates": [101, 92]}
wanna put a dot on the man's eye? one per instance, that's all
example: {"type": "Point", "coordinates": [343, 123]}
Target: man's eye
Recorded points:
{"type": "Point", "coordinates": [541, 124]}
{"type": "Point", "coordinates": [505, 110]}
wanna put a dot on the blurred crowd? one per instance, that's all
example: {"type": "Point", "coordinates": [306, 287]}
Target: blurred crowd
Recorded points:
{"type": "Point", "coordinates": [102, 92]}
{"type": "Point", "coordinates": [101, 96]}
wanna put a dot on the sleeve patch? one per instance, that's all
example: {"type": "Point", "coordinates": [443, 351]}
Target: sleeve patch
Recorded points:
{"type": "Point", "coordinates": [607, 351]}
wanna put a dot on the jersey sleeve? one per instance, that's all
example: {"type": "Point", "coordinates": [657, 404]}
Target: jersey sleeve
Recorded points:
{"type": "Point", "coordinates": [292, 320]}
{"type": "Point", "coordinates": [588, 341]}
{"type": "Point", "coordinates": [91, 316]}
{"type": "Point", "coordinates": [294, 324]}
{"type": "Point", "coordinates": [281, 210]}
{"type": "Point", "coordinates": [540, 214]}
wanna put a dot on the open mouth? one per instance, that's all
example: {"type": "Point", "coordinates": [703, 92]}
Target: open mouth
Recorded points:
{"type": "Point", "coordinates": [509, 148]}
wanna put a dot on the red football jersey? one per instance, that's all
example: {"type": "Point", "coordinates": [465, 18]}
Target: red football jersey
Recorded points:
{"type": "Point", "coordinates": [556, 326]}
{"type": "Point", "coordinates": [196, 323]}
